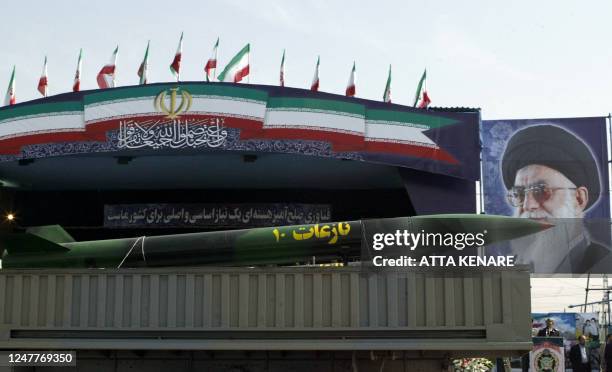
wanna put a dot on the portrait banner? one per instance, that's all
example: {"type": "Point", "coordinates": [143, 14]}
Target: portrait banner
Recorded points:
{"type": "Point", "coordinates": [552, 170]}
{"type": "Point", "coordinates": [587, 324]}
{"type": "Point", "coordinates": [574, 147]}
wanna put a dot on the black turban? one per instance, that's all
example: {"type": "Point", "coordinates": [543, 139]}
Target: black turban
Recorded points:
{"type": "Point", "coordinates": [555, 148]}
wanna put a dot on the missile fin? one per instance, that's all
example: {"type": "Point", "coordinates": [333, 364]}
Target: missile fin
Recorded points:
{"type": "Point", "coordinates": [53, 233]}
{"type": "Point", "coordinates": [28, 244]}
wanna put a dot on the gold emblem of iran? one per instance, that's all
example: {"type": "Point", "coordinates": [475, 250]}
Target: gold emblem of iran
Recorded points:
{"type": "Point", "coordinates": [173, 111]}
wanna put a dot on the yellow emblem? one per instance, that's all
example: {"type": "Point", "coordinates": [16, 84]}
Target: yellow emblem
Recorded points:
{"type": "Point", "coordinates": [173, 111]}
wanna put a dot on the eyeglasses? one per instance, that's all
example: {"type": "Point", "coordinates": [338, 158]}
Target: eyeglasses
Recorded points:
{"type": "Point", "coordinates": [540, 193]}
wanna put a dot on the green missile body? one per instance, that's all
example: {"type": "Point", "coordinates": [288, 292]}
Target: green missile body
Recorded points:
{"type": "Point", "coordinates": [52, 247]}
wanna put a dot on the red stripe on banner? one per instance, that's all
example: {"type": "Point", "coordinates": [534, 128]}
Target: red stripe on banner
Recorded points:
{"type": "Point", "coordinates": [348, 142]}
{"type": "Point", "coordinates": [249, 133]}
{"type": "Point", "coordinates": [410, 150]}
{"type": "Point", "coordinates": [241, 74]}
{"type": "Point", "coordinates": [5, 150]}
{"type": "Point", "coordinates": [343, 147]}
{"type": "Point", "coordinates": [76, 86]}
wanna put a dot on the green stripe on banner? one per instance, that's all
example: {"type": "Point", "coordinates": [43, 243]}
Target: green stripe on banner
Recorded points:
{"type": "Point", "coordinates": [316, 104]}
{"type": "Point", "coordinates": [229, 91]}
{"type": "Point", "coordinates": [152, 91]}
{"type": "Point", "coordinates": [40, 108]}
{"type": "Point", "coordinates": [400, 117]}
{"type": "Point", "coordinates": [124, 93]}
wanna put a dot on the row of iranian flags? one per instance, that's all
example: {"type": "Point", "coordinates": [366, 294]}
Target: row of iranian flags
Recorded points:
{"type": "Point", "coordinates": [235, 71]}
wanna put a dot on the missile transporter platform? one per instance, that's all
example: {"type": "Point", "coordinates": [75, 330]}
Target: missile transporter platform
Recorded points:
{"type": "Point", "coordinates": [265, 319]}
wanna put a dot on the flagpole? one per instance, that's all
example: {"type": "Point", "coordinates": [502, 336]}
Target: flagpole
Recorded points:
{"type": "Point", "coordinates": [45, 75]}
{"type": "Point", "coordinates": [216, 59]}
{"type": "Point", "coordinates": [180, 50]}
{"type": "Point", "coordinates": [425, 90]}
{"type": "Point", "coordinates": [115, 71]}
{"type": "Point", "coordinates": [47, 88]}
{"type": "Point", "coordinates": [608, 142]}
{"type": "Point", "coordinates": [146, 65]}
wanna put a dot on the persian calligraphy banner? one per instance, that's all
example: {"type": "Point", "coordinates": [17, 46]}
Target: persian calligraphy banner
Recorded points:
{"type": "Point", "coordinates": [213, 215]}
{"type": "Point", "coordinates": [207, 117]}
{"type": "Point", "coordinates": [175, 134]}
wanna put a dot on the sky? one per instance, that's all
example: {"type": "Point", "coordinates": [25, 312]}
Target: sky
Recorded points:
{"type": "Point", "coordinates": [516, 59]}
{"type": "Point", "coordinates": [512, 59]}
{"type": "Point", "coordinates": [556, 294]}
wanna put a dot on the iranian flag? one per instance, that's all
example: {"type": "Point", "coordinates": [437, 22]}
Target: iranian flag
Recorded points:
{"type": "Point", "coordinates": [175, 66]}
{"type": "Point", "coordinates": [350, 86]}
{"type": "Point", "coordinates": [421, 99]}
{"type": "Point", "coordinates": [425, 101]}
{"type": "Point", "coordinates": [315, 79]}
{"type": "Point", "coordinates": [282, 70]}
{"type": "Point", "coordinates": [76, 86]}
{"type": "Point", "coordinates": [211, 65]}
{"type": "Point", "coordinates": [42, 82]}
{"type": "Point", "coordinates": [387, 94]}
{"type": "Point", "coordinates": [144, 67]}
{"type": "Point", "coordinates": [10, 92]}
{"type": "Point", "coordinates": [238, 67]}
{"type": "Point", "coordinates": [106, 76]}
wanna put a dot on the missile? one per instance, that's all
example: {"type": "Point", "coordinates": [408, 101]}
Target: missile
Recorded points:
{"type": "Point", "coordinates": [53, 247]}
